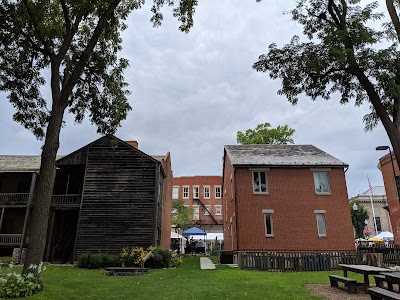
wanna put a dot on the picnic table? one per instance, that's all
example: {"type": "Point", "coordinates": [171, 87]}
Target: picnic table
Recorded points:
{"type": "Point", "coordinates": [365, 270]}
{"type": "Point", "coordinates": [392, 278]}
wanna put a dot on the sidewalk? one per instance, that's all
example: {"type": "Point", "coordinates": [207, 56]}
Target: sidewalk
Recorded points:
{"type": "Point", "coordinates": [206, 264]}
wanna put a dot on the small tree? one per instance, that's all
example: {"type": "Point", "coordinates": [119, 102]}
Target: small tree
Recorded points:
{"type": "Point", "coordinates": [182, 216]}
{"type": "Point", "coordinates": [264, 134]}
{"type": "Point", "coordinates": [358, 217]}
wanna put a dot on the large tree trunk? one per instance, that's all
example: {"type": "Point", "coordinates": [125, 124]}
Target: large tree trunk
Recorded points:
{"type": "Point", "coordinates": [43, 192]}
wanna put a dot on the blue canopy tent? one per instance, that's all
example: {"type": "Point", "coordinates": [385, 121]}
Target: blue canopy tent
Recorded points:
{"type": "Point", "coordinates": [195, 231]}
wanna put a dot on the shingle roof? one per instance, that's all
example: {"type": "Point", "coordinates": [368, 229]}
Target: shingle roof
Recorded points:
{"type": "Point", "coordinates": [281, 155]}
{"type": "Point", "coordinates": [376, 191]}
{"type": "Point", "coordinates": [19, 163]}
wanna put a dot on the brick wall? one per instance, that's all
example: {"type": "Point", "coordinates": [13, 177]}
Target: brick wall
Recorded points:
{"type": "Point", "coordinates": [391, 193]}
{"type": "Point", "coordinates": [201, 182]}
{"type": "Point", "coordinates": [293, 200]}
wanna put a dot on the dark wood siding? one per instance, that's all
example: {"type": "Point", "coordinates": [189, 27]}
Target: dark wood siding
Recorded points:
{"type": "Point", "coordinates": [119, 199]}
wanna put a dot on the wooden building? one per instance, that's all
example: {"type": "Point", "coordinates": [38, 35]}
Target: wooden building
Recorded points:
{"type": "Point", "coordinates": [107, 195]}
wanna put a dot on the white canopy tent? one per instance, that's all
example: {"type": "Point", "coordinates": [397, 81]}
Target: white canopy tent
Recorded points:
{"type": "Point", "coordinates": [385, 235]}
{"type": "Point", "coordinates": [182, 241]}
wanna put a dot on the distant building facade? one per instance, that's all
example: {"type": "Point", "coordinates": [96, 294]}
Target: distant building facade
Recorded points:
{"type": "Point", "coordinates": [284, 198]}
{"type": "Point", "coordinates": [381, 209]}
{"type": "Point", "coordinates": [204, 195]}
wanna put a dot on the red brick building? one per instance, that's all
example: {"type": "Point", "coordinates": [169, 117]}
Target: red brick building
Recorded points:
{"type": "Point", "coordinates": [285, 198]}
{"type": "Point", "coordinates": [391, 191]}
{"type": "Point", "coordinates": [204, 195]}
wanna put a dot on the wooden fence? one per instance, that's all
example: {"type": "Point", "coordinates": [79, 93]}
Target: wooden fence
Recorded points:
{"type": "Point", "coordinates": [295, 262]}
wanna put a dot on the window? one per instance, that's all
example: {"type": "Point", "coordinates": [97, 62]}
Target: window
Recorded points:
{"type": "Point", "coordinates": [268, 222]}
{"type": "Point", "coordinates": [207, 192]}
{"type": "Point", "coordinates": [207, 210]}
{"type": "Point", "coordinates": [196, 192]}
{"type": "Point", "coordinates": [259, 182]}
{"type": "Point", "coordinates": [378, 224]}
{"type": "Point", "coordinates": [218, 210]}
{"type": "Point", "coordinates": [195, 212]}
{"type": "Point", "coordinates": [321, 182]}
{"type": "Point", "coordinates": [218, 192]}
{"type": "Point", "coordinates": [185, 192]}
{"type": "Point", "coordinates": [175, 192]}
{"type": "Point", "coordinates": [320, 214]}
{"type": "Point", "coordinates": [397, 180]}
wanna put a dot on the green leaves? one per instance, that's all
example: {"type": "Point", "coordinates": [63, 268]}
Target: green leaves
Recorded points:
{"type": "Point", "coordinates": [264, 134]}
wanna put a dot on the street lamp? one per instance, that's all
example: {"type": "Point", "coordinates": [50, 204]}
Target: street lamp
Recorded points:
{"type": "Point", "coordinates": [391, 160]}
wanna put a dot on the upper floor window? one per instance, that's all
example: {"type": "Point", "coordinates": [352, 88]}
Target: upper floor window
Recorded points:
{"type": "Point", "coordinates": [218, 210]}
{"type": "Point", "coordinates": [175, 192]}
{"type": "Point", "coordinates": [207, 210]}
{"type": "Point", "coordinates": [207, 192]}
{"type": "Point", "coordinates": [195, 192]}
{"type": "Point", "coordinates": [218, 192]}
{"type": "Point", "coordinates": [185, 192]}
{"type": "Point", "coordinates": [321, 182]}
{"type": "Point", "coordinates": [259, 182]}
{"type": "Point", "coordinates": [320, 214]}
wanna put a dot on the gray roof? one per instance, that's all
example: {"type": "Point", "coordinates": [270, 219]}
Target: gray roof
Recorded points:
{"type": "Point", "coordinates": [280, 155]}
{"type": "Point", "coordinates": [376, 191]}
{"type": "Point", "coordinates": [158, 157]}
{"type": "Point", "coordinates": [19, 163]}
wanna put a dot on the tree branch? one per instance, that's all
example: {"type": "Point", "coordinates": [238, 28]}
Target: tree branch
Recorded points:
{"type": "Point", "coordinates": [394, 17]}
{"type": "Point", "coordinates": [80, 65]}
{"type": "Point", "coordinates": [331, 8]}
{"type": "Point", "coordinates": [66, 16]}
{"type": "Point", "coordinates": [36, 29]}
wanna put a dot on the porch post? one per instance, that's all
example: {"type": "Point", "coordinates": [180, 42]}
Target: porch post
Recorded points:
{"type": "Point", "coordinates": [28, 210]}
{"type": "Point", "coordinates": [2, 217]}
{"type": "Point", "coordinates": [53, 212]}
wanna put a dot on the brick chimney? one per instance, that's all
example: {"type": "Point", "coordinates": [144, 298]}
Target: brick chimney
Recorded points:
{"type": "Point", "coordinates": [133, 144]}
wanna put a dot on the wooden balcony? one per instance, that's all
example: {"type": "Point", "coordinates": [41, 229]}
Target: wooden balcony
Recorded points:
{"type": "Point", "coordinates": [14, 199]}
{"type": "Point", "coordinates": [72, 200]}
{"type": "Point", "coordinates": [10, 239]}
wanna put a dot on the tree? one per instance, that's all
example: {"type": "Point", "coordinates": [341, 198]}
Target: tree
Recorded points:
{"type": "Point", "coordinates": [182, 216]}
{"type": "Point", "coordinates": [77, 43]}
{"type": "Point", "coordinates": [343, 56]}
{"type": "Point", "coordinates": [358, 217]}
{"type": "Point", "coordinates": [264, 134]}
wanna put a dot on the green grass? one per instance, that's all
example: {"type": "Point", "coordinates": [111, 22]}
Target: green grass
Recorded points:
{"type": "Point", "coordinates": [186, 282]}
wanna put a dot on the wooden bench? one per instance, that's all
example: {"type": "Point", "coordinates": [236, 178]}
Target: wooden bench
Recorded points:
{"type": "Point", "coordinates": [378, 293]}
{"type": "Point", "coordinates": [351, 284]}
{"type": "Point", "coordinates": [379, 280]}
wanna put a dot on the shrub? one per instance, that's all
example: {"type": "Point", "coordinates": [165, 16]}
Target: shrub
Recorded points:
{"type": "Point", "coordinates": [161, 258]}
{"type": "Point", "coordinates": [133, 257]}
{"type": "Point", "coordinates": [97, 260]}
{"type": "Point", "coordinates": [6, 260]}
{"type": "Point", "coordinates": [14, 285]}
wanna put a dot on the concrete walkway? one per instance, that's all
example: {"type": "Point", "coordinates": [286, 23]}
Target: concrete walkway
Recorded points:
{"type": "Point", "coordinates": [206, 264]}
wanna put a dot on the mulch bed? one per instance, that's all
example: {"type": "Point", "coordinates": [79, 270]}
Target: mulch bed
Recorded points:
{"type": "Point", "coordinates": [327, 292]}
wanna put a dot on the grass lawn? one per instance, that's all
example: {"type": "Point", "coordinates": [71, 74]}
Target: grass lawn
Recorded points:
{"type": "Point", "coordinates": [186, 282]}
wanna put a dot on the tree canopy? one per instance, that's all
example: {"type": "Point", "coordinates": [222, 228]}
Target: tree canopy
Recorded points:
{"type": "Point", "coordinates": [182, 216]}
{"type": "Point", "coordinates": [358, 217]}
{"type": "Point", "coordinates": [264, 134]}
{"type": "Point", "coordinates": [351, 51]}
{"type": "Point", "coordinates": [72, 47]}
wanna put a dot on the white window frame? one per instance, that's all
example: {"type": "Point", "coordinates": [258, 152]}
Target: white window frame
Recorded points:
{"type": "Point", "coordinates": [205, 188]}
{"type": "Point", "coordinates": [323, 214]}
{"type": "Point", "coordinates": [206, 213]}
{"type": "Point", "coordinates": [215, 191]}
{"type": "Point", "coordinates": [317, 174]}
{"type": "Point", "coordinates": [196, 190]}
{"type": "Point", "coordinates": [175, 192]}
{"type": "Point", "coordinates": [196, 212]}
{"type": "Point", "coordinates": [187, 192]}
{"type": "Point", "coordinates": [218, 210]}
{"type": "Point", "coordinates": [259, 171]}
{"type": "Point", "coordinates": [268, 212]}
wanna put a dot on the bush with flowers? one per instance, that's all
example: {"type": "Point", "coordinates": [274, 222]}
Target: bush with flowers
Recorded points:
{"type": "Point", "coordinates": [367, 233]}
{"type": "Point", "coordinates": [14, 285]}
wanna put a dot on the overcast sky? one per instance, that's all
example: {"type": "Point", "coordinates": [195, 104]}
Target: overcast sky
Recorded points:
{"type": "Point", "coordinates": [191, 93]}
